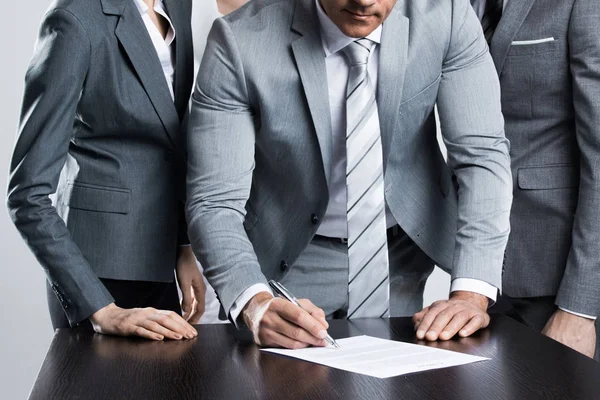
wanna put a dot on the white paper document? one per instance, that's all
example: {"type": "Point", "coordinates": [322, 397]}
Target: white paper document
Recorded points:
{"type": "Point", "coordinates": [380, 358]}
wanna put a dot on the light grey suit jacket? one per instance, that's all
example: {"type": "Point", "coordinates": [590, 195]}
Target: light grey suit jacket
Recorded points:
{"type": "Point", "coordinates": [97, 103]}
{"type": "Point", "coordinates": [551, 103]}
{"type": "Point", "coordinates": [260, 141]}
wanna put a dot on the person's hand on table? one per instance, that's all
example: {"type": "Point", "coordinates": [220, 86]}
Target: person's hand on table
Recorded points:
{"type": "Point", "coordinates": [192, 285]}
{"type": "Point", "coordinates": [577, 332]}
{"type": "Point", "coordinates": [464, 313]}
{"type": "Point", "coordinates": [148, 323]}
{"type": "Point", "coordinates": [276, 322]}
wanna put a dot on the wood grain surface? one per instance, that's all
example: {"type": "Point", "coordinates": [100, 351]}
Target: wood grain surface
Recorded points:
{"type": "Point", "coordinates": [223, 364]}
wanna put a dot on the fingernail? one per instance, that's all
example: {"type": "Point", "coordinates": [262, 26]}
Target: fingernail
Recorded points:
{"type": "Point", "coordinates": [420, 334]}
{"type": "Point", "coordinates": [431, 333]}
{"type": "Point", "coordinates": [445, 334]}
{"type": "Point", "coordinates": [189, 335]}
{"type": "Point", "coordinates": [463, 333]}
{"type": "Point", "coordinates": [177, 336]}
{"type": "Point", "coordinates": [160, 337]}
{"type": "Point", "coordinates": [322, 335]}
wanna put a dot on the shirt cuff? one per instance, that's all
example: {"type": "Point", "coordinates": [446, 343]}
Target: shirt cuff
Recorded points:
{"type": "Point", "coordinates": [475, 286]}
{"type": "Point", "coordinates": [578, 314]}
{"type": "Point", "coordinates": [244, 298]}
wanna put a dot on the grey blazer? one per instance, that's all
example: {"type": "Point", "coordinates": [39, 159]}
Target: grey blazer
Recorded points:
{"type": "Point", "coordinates": [96, 103]}
{"type": "Point", "coordinates": [551, 103]}
{"type": "Point", "coordinates": [260, 141]}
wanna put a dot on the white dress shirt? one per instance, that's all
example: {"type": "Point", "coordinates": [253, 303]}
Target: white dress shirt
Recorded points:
{"type": "Point", "coordinates": [334, 221]}
{"type": "Point", "coordinates": [479, 6]}
{"type": "Point", "coordinates": [164, 46]}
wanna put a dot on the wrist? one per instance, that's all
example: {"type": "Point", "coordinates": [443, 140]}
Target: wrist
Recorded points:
{"type": "Point", "coordinates": [574, 318]}
{"type": "Point", "coordinates": [253, 307]}
{"type": "Point", "coordinates": [477, 299]}
{"type": "Point", "coordinates": [98, 315]}
{"type": "Point", "coordinates": [185, 251]}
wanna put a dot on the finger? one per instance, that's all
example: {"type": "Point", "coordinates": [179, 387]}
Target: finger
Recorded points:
{"type": "Point", "coordinates": [298, 324]}
{"type": "Point", "coordinates": [174, 322]}
{"type": "Point", "coordinates": [187, 300]}
{"type": "Point", "coordinates": [197, 313]}
{"type": "Point", "coordinates": [418, 317]}
{"type": "Point", "coordinates": [296, 333]}
{"type": "Point", "coordinates": [159, 328]}
{"type": "Point", "coordinates": [314, 311]}
{"type": "Point", "coordinates": [428, 319]}
{"type": "Point", "coordinates": [475, 323]}
{"type": "Point", "coordinates": [441, 321]}
{"type": "Point", "coordinates": [456, 323]}
{"type": "Point", "coordinates": [200, 297]}
{"type": "Point", "coordinates": [179, 319]}
{"type": "Point", "coordinates": [145, 333]}
{"type": "Point", "coordinates": [271, 338]}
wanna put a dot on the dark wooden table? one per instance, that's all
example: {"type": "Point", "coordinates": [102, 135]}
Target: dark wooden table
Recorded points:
{"type": "Point", "coordinates": [221, 364]}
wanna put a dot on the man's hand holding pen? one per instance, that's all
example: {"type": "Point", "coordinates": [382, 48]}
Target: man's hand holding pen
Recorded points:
{"type": "Point", "coordinates": [276, 322]}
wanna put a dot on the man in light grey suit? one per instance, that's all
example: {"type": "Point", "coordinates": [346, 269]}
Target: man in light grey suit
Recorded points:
{"type": "Point", "coordinates": [547, 54]}
{"type": "Point", "coordinates": [313, 160]}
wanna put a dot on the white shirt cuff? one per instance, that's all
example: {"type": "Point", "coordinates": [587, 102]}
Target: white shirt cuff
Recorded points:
{"type": "Point", "coordinates": [578, 314]}
{"type": "Point", "coordinates": [475, 286]}
{"type": "Point", "coordinates": [244, 298]}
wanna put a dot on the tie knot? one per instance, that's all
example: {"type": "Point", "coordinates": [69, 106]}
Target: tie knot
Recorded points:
{"type": "Point", "coordinates": [358, 51]}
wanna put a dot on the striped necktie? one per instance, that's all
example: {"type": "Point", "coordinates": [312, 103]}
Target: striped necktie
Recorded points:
{"type": "Point", "coordinates": [368, 265]}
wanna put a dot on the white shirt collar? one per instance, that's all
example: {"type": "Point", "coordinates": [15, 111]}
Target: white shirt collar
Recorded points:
{"type": "Point", "coordinates": [333, 38]}
{"type": "Point", "coordinates": [159, 8]}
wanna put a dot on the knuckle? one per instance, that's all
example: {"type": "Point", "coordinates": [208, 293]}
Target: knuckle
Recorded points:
{"type": "Point", "coordinates": [296, 333]}
{"type": "Point", "coordinates": [296, 314]}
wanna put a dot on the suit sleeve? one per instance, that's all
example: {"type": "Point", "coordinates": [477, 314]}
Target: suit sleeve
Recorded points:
{"type": "Point", "coordinates": [221, 143]}
{"type": "Point", "coordinates": [580, 290]}
{"type": "Point", "coordinates": [53, 84]}
{"type": "Point", "coordinates": [478, 152]}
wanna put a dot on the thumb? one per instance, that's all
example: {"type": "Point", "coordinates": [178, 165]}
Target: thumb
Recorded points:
{"type": "Point", "coordinates": [187, 301]}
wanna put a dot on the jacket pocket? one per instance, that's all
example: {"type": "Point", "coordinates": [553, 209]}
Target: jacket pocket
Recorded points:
{"type": "Point", "coordinates": [548, 177]}
{"type": "Point", "coordinates": [531, 47]}
{"type": "Point", "coordinates": [85, 196]}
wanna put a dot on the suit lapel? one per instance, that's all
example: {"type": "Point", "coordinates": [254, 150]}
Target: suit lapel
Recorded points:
{"type": "Point", "coordinates": [392, 68]}
{"type": "Point", "coordinates": [512, 18]}
{"type": "Point", "coordinates": [182, 57]}
{"type": "Point", "coordinates": [136, 42]}
{"type": "Point", "coordinates": [310, 59]}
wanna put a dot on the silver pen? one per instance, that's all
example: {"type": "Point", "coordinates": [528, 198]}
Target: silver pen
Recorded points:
{"type": "Point", "coordinates": [283, 292]}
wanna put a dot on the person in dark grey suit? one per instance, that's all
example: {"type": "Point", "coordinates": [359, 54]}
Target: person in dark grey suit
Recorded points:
{"type": "Point", "coordinates": [547, 54]}
{"type": "Point", "coordinates": [102, 127]}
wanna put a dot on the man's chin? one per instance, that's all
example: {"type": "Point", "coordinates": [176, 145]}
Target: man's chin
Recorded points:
{"type": "Point", "coordinates": [358, 29]}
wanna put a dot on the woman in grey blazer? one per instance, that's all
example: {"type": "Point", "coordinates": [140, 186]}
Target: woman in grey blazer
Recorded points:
{"type": "Point", "coordinates": [102, 127]}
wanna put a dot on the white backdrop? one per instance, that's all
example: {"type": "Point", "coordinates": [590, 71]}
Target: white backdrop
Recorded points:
{"type": "Point", "coordinates": [25, 330]}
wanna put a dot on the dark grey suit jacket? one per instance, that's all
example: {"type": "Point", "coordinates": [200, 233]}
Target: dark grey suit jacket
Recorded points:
{"type": "Point", "coordinates": [97, 107]}
{"type": "Point", "coordinates": [548, 56]}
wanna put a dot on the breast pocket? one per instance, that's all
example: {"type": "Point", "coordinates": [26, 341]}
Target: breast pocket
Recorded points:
{"type": "Point", "coordinates": [533, 46]}
{"type": "Point", "coordinates": [90, 197]}
{"type": "Point", "coordinates": [534, 70]}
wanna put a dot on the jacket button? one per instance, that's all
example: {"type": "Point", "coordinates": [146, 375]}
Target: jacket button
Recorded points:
{"type": "Point", "coordinates": [283, 265]}
{"type": "Point", "coordinates": [314, 219]}
{"type": "Point", "coordinates": [169, 156]}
